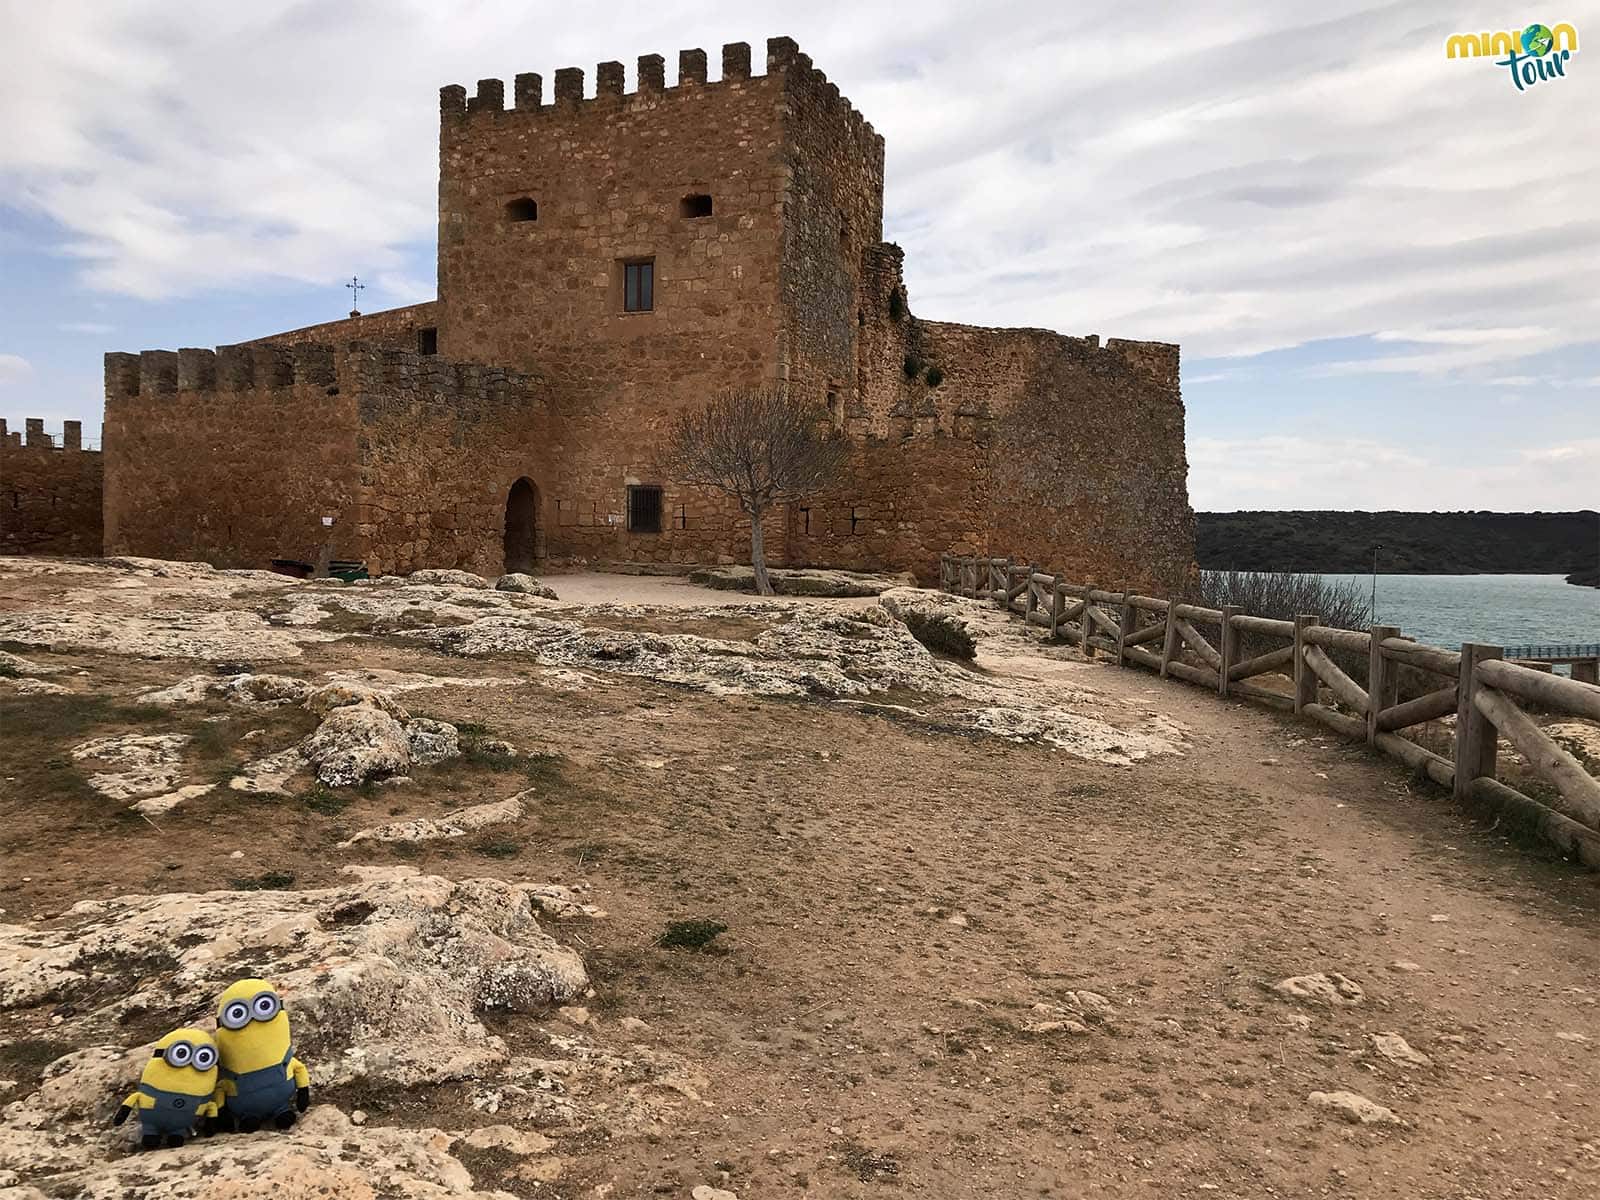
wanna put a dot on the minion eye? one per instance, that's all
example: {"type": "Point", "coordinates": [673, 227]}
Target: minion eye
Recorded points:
{"type": "Point", "coordinates": [205, 1057]}
{"type": "Point", "coordinates": [235, 1015]}
{"type": "Point", "coordinates": [265, 1006]}
{"type": "Point", "coordinates": [178, 1054]}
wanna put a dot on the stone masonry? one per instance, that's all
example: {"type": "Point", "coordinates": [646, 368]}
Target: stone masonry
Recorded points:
{"type": "Point", "coordinates": [536, 390]}
{"type": "Point", "coordinates": [50, 495]}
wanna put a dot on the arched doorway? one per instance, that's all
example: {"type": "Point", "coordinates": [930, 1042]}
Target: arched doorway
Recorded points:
{"type": "Point", "coordinates": [522, 525]}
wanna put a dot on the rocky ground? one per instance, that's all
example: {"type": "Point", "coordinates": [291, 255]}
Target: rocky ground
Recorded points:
{"type": "Point", "coordinates": [1009, 924]}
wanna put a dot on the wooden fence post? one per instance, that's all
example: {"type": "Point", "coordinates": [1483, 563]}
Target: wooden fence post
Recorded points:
{"type": "Point", "coordinates": [1305, 679]}
{"type": "Point", "coordinates": [1030, 600]}
{"type": "Point", "coordinates": [1172, 633]}
{"type": "Point", "coordinates": [1477, 740]}
{"type": "Point", "coordinates": [1382, 678]}
{"type": "Point", "coordinates": [1088, 626]}
{"type": "Point", "coordinates": [1058, 604]}
{"type": "Point", "coordinates": [1229, 647]}
{"type": "Point", "coordinates": [1125, 619]}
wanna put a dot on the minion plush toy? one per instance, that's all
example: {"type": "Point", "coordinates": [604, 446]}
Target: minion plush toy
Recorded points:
{"type": "Point", "coordinates": [176, 1089]}
{"type": "Point", "coordinates": [261, 1079]}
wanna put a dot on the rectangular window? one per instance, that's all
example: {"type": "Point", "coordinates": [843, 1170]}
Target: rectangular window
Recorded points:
{"type": "Point", "coordinates": [680, 519]}
{"type": "Point", "coordinates": [644, 510]}
{"type": "Point", "coordinates": [639, 286]}
{"type": "Point", "coordinates": [427, 341]}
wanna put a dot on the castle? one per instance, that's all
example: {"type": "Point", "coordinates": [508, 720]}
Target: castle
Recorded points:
{"type": "Point", "coordinates": [604, 263]}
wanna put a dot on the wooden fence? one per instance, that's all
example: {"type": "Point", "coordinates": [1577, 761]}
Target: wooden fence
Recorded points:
{"type": "Point", "coordinates": [1487, 696]}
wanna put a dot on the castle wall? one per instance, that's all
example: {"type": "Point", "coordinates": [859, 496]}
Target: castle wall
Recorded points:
{"type": "Point", "coordinates": [391, 329]}
{"type": "Point", "coordinates": [50, 494]}
{"type": "Point", "coordinates": [441, 445]}
{"type": "Point", "coordinates": [232, 457]}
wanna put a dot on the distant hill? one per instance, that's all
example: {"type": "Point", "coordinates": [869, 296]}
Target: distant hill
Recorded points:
{"type": "Point", "coordinates": [1455, 543]}
{"type": "Point", "coordinates": [1589, 578]}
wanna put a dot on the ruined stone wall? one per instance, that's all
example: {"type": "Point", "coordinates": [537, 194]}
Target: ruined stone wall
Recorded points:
{"type": "Point", "coordinates": [1019, 442]}
{"type": "Point", "coordinates": [232, 457]}
{"type": "Point", "coordinates": [50, 494]}
{"type": "Point", "coordinates": [441, 445]}
{"type": "Point", "coordinates": [394, 329]}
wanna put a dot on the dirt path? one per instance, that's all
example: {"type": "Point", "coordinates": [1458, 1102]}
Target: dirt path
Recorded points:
{"type": "Point", "coordinates": [899, 899]}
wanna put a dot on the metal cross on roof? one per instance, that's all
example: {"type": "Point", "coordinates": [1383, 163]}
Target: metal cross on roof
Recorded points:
{"type": "Point", "coordinates": [356, 288]}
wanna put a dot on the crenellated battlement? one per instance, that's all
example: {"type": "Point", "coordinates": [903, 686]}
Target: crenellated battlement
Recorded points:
{"type": "Point", "coordinates": [362, 368]}
{"type": "Point", "coordinates": [784, 58]}
{"type": "Point", "coordinates": [38, 439]}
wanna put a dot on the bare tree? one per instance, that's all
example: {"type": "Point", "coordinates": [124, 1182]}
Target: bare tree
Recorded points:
{"type": "Point", "coordinates": [760, 447]}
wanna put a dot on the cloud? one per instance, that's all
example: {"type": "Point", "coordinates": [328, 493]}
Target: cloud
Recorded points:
{"type": "Point", "coordinates": [14, 367]}
{"type": "Point", "coordinates": [85, 327]}
{"type": "Point", "coordinates": [1239, 179]}
{"type": "Point", "coordinates": [1288, 472]}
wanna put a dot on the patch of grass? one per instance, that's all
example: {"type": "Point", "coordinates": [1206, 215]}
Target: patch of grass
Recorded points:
{"type": "Point", "coordinates": [58, 719]}
{"type": "Point", "coordinates": [934, 376]}
{"type": "Point", "coordinates": [7, 671]}
{"type": "Point", "coordinates": [26, 1058]}
{"type": "Point", "coordinates": [326, 801]}
{"type": "Point", "coordinates": [697, 934]}
{"type": "Point", "coordinates": [471, 729]}
{"type": "Point", "coordinates": [267, 881]}
{"type": "Point", "coordinates": [498, 849]}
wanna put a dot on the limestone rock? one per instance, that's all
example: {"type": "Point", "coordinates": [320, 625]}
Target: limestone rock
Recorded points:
{"type": "Point", "coordinates": [705, 1191]}
{"type": "Point", "coordinates": [1396, 1049]}
{"type": "Point", "coordinates": [447, 577]}
{"type": "Point", "coordinates": [266, 689]}
{"type": "Point", "coordinates": [431, 742]}
{"type": "Point", "coordinates": [385, 976]}
{"type": "Point", "coordinates": [936, 619]}
{"type": "Point", "coordinates": [1329, 988]}
{"type": "Point", "coordinates": [342, 693]}
{"type": "Point", "coordinates": [324, 1155]}
{"type": "Point", "coordinates": [150, 763]}
{"type": "Point", "coordinates": [506, 1137]}
{"type": "Point", "coordinates": [1355, 1108]}
{"type": "Point", "coordinates": [801, 581]}
{"type": "Point", "coordinates": [15, 664]}
{"type": "Point", "coordinates": [452, 825]}
{"type": "Point", "coordinates": [516, 581]}
{"type": "Point", "coordinates": [154, 806]}
{"type": "Point", "coordinates": [354, 743]}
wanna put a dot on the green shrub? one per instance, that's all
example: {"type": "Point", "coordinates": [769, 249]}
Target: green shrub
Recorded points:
{"type": "Point", "coordinates": [897, 305]}
{"type": "Point", "coordinates": [912, 366]}
{"type": "Point", "coordinates": [934, 376]}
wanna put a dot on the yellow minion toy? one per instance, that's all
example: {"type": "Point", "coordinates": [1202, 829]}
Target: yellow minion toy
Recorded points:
{"type": "Point", "coordinates": [261, 1080]}
{"type": "Point", "coordinates": [176, 1089]}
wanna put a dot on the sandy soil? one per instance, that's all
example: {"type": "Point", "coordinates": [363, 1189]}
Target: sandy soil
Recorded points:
{"type": "Point", "coordinates": [899, 897]}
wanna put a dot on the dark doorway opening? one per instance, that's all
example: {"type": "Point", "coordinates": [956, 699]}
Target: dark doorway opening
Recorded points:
{"type": "Point", "coordinates": [522, 526]}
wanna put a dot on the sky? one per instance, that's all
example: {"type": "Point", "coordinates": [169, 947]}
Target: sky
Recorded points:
{"type": "Point", "coordinates": [1383, 265]}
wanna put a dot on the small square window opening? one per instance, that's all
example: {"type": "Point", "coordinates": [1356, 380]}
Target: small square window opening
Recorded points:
{"type": "Point", "coordinates": [524, 208]}
{"type": "Point", "coordinates": [427, 341]}
{"type": "Point", "coordinates": [695, 206]}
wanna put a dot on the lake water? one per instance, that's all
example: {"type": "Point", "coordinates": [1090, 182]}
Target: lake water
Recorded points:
{"type": "Point", "coordinates": [1501, 610]}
